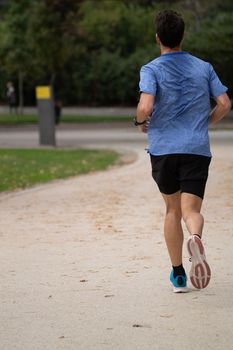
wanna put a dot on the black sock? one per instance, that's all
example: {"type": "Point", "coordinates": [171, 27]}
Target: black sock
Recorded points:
{"type": "Point", "coordinates": [178, 271]}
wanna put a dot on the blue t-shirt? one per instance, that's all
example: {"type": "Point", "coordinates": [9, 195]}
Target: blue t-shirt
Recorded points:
{"type": "Point", "coordinates": [182, 85]}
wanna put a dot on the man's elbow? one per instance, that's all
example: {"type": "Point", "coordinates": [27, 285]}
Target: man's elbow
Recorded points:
{"type": "Point", "coordinates": [226, 104]}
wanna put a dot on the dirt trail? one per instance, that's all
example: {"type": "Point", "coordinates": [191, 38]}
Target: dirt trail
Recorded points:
{"type": "Point", "coordinates": [84, 265]}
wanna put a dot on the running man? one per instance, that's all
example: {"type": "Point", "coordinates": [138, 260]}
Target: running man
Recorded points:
{"type": "Point", "coordinates": [175, 91]}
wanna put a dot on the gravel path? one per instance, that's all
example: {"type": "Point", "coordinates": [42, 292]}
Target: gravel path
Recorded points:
{"type": "Point", "coordinates": [84, 265]}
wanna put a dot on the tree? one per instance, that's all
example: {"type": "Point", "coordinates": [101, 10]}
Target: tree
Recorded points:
{"type": "Point", "coordinates": [53, 32]}
{"type": "Point", "coordinates": [213, 43]}
{"type": "Point", "coordinates": [36, 39]}
{"type": "Point", "coordinates": [92, 50]}
{"type": "Point", "coordinates": [15, 53]}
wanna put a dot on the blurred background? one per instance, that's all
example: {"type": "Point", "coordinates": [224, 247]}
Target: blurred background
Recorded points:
{"type": "Point", "coordinates": [91, 50]}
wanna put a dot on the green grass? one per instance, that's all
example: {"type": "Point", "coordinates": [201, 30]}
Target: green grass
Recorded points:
{"type": "Point", "coordinates": [95, 119]}
{"type": "Point", "coordinates": [19, 119]}
{"type": "Point", "coordinates": [21, 168]}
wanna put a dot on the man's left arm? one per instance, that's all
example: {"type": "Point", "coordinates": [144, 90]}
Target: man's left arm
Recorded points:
{"type": "Point", "coordinates": [144, 110]}
{"type": "Point", "coordinates": [148, 87]}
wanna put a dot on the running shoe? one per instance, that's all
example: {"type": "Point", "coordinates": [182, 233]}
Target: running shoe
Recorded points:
{"type": "Point", "coordinates": [200, 272]}
{"type": "Point", "coordinates": [179, 283]}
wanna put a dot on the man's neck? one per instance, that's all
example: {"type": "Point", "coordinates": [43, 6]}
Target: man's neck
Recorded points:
{"type": "Point", "coordinates": [165, 49]}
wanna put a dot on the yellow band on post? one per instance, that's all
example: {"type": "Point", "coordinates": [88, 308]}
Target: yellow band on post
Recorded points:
{"type": "Point", "coordinates": [43, 92]}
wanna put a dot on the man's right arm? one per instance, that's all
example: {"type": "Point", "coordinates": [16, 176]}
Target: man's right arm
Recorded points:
{"type": "Point", "coordinates": [222, 108]}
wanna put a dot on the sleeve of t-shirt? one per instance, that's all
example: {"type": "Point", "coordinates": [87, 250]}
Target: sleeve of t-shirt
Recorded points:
{"type": "Point", "coordinates": [215, 85]}
{"type": "Point", "coordinates": [147, 82]}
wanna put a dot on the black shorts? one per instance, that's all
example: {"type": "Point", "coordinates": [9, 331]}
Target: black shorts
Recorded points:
{"type": "Point", "coordinates": [180, 172]}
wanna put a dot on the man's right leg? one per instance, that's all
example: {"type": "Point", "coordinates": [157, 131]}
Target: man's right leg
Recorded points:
{"type": "Point", "coordinates": [191, 207]}
{"type": "Point", "coordinates": [200, 271]}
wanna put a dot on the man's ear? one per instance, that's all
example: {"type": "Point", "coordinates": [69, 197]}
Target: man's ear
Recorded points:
{"type": "Point", "coordinates": [157, 39]}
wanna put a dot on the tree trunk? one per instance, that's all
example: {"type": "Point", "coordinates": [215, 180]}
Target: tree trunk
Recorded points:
{"type": "Point", "coordinates": [21, 100]}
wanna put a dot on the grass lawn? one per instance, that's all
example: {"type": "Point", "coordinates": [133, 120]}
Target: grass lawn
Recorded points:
{"type": "Point", "coordinates": [18, 119]}
{"type": "Point", "coordinates": [21, 168]}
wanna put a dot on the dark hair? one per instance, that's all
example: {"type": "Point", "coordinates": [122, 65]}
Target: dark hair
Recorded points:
{"type": "Point", "coordinates": [170, 28]}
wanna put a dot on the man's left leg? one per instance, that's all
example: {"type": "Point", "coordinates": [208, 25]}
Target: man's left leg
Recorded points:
{"type": "Point", "coordinates": [173, 232]}
{"type": "Point", "coordinates": [174, 238]}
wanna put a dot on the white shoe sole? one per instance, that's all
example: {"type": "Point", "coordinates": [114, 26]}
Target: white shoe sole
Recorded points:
{"type": "Point", "coordinates": [200, 272]}
{"type": "Point", "coordinates": [180, 290]}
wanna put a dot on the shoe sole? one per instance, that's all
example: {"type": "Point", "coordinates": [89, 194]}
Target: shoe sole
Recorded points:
{"type": "Point", "coordinates": [200, 272]}
{"type": "Point", "coordinates": [180, 290]}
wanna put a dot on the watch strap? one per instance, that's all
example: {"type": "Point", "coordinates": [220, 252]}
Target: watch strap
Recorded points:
{"type": "Point", "coordinates": [136, 123]}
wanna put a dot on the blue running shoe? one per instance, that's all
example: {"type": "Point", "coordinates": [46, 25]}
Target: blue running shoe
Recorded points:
{"type": "Point", "coordinates": [179, 283]}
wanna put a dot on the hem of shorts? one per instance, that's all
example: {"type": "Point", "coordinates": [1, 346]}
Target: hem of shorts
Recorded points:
{"type": "Point", "coordinates": [179, 152]}
{"type": "Point", "coordinates": [192, 192]}
{"type": "Point", "coordinates": [169, 192]}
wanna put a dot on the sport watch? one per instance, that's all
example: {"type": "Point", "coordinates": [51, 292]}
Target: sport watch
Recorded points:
{"type": "Point", "coordinates": [136, 123]}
